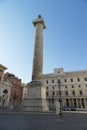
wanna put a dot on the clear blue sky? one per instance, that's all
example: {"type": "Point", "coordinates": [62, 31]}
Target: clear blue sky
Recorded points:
{"type": "Point", "coordinates": [65, 38]}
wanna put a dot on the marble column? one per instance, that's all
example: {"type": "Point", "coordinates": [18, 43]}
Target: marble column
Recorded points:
{"type": "Point", "coordinates": [36, 96]}
{"type": "Point", "coordinates": [38, 49]}
{"type": "Point", "coordinates": [85, 103]}
{"type": "Point", "coordinates": [77, 102]}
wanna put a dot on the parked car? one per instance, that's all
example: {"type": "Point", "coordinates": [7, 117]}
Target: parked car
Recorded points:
{"type": "Point", "coordinates": [73, 108]}
{"type": "Point", "coordinates": [66, 108]}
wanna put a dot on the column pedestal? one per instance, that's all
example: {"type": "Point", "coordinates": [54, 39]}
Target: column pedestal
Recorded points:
{"type": "Point", "coordinates": [36, 98]}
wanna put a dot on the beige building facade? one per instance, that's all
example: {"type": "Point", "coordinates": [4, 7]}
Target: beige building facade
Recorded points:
{"type": "Point", "coordinates": [73, 88]}
{"type": "Point", "coordinates": [24, 91]}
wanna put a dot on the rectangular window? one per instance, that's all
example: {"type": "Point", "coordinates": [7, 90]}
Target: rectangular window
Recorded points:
{"type": "Point", "coordinates": [65, 86]}
{"type": "Point", "coordinates": [71, 80]}
{"type": "Point", "coordinates": [73, 92]}
{"type": "Point", "coordinates": [47, 81]}
{"type": "Point", "coordinates": [72, 86]}
{"type": "Point", "coordinates": [47, 87]}
{"type": "Point", "coordinates": [78, 79]}
{"type": "Point", "coordinates": [60, 93]}
{"type": "Point", "coordinates": [82, 99]}
{"type": "Point", "coordinates": [79, 86]}
{"type": "Point", "coordinates": [53, 87]}
{"type": "Point", "coordinates": [47, 93]}
{"type": "Point", "coordinates": [80, 92]}
{"type": "Point", "coordinates": [52, 81]}
{"type": "Point", "coordinates": [53, 93]}
{"type": "Point", "coordinates": [65, 80]}
{"type": "Point", "coordinates": [66, 93]}
{"type": "Point", "coordinates": [85, 78]}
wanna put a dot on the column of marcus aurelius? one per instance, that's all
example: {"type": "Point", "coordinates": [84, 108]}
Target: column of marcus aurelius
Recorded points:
{"type": "Point", "coordinates": [36, 96]}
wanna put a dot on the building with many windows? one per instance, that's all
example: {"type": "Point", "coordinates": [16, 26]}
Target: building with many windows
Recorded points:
{"type": "Point", "coordinates": [73, 88]}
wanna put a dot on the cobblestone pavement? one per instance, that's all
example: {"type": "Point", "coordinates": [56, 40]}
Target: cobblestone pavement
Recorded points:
{"type": "Point", "coordinates": [42, 121]}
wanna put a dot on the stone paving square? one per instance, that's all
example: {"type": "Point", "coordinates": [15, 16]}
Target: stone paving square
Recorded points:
{"type": "Point", "coordinates": [43, 121]}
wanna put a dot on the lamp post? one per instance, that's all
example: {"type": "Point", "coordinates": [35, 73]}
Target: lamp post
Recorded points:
{"type": "Point", "coordinates": [60, 99]}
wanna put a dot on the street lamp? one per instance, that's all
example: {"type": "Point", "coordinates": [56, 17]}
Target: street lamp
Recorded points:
{"type": "Point", "coordinates": [60, 99]}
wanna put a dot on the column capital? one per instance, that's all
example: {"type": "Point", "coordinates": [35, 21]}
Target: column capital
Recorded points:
{"type": "Point", "coordinates": [39, 20]}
